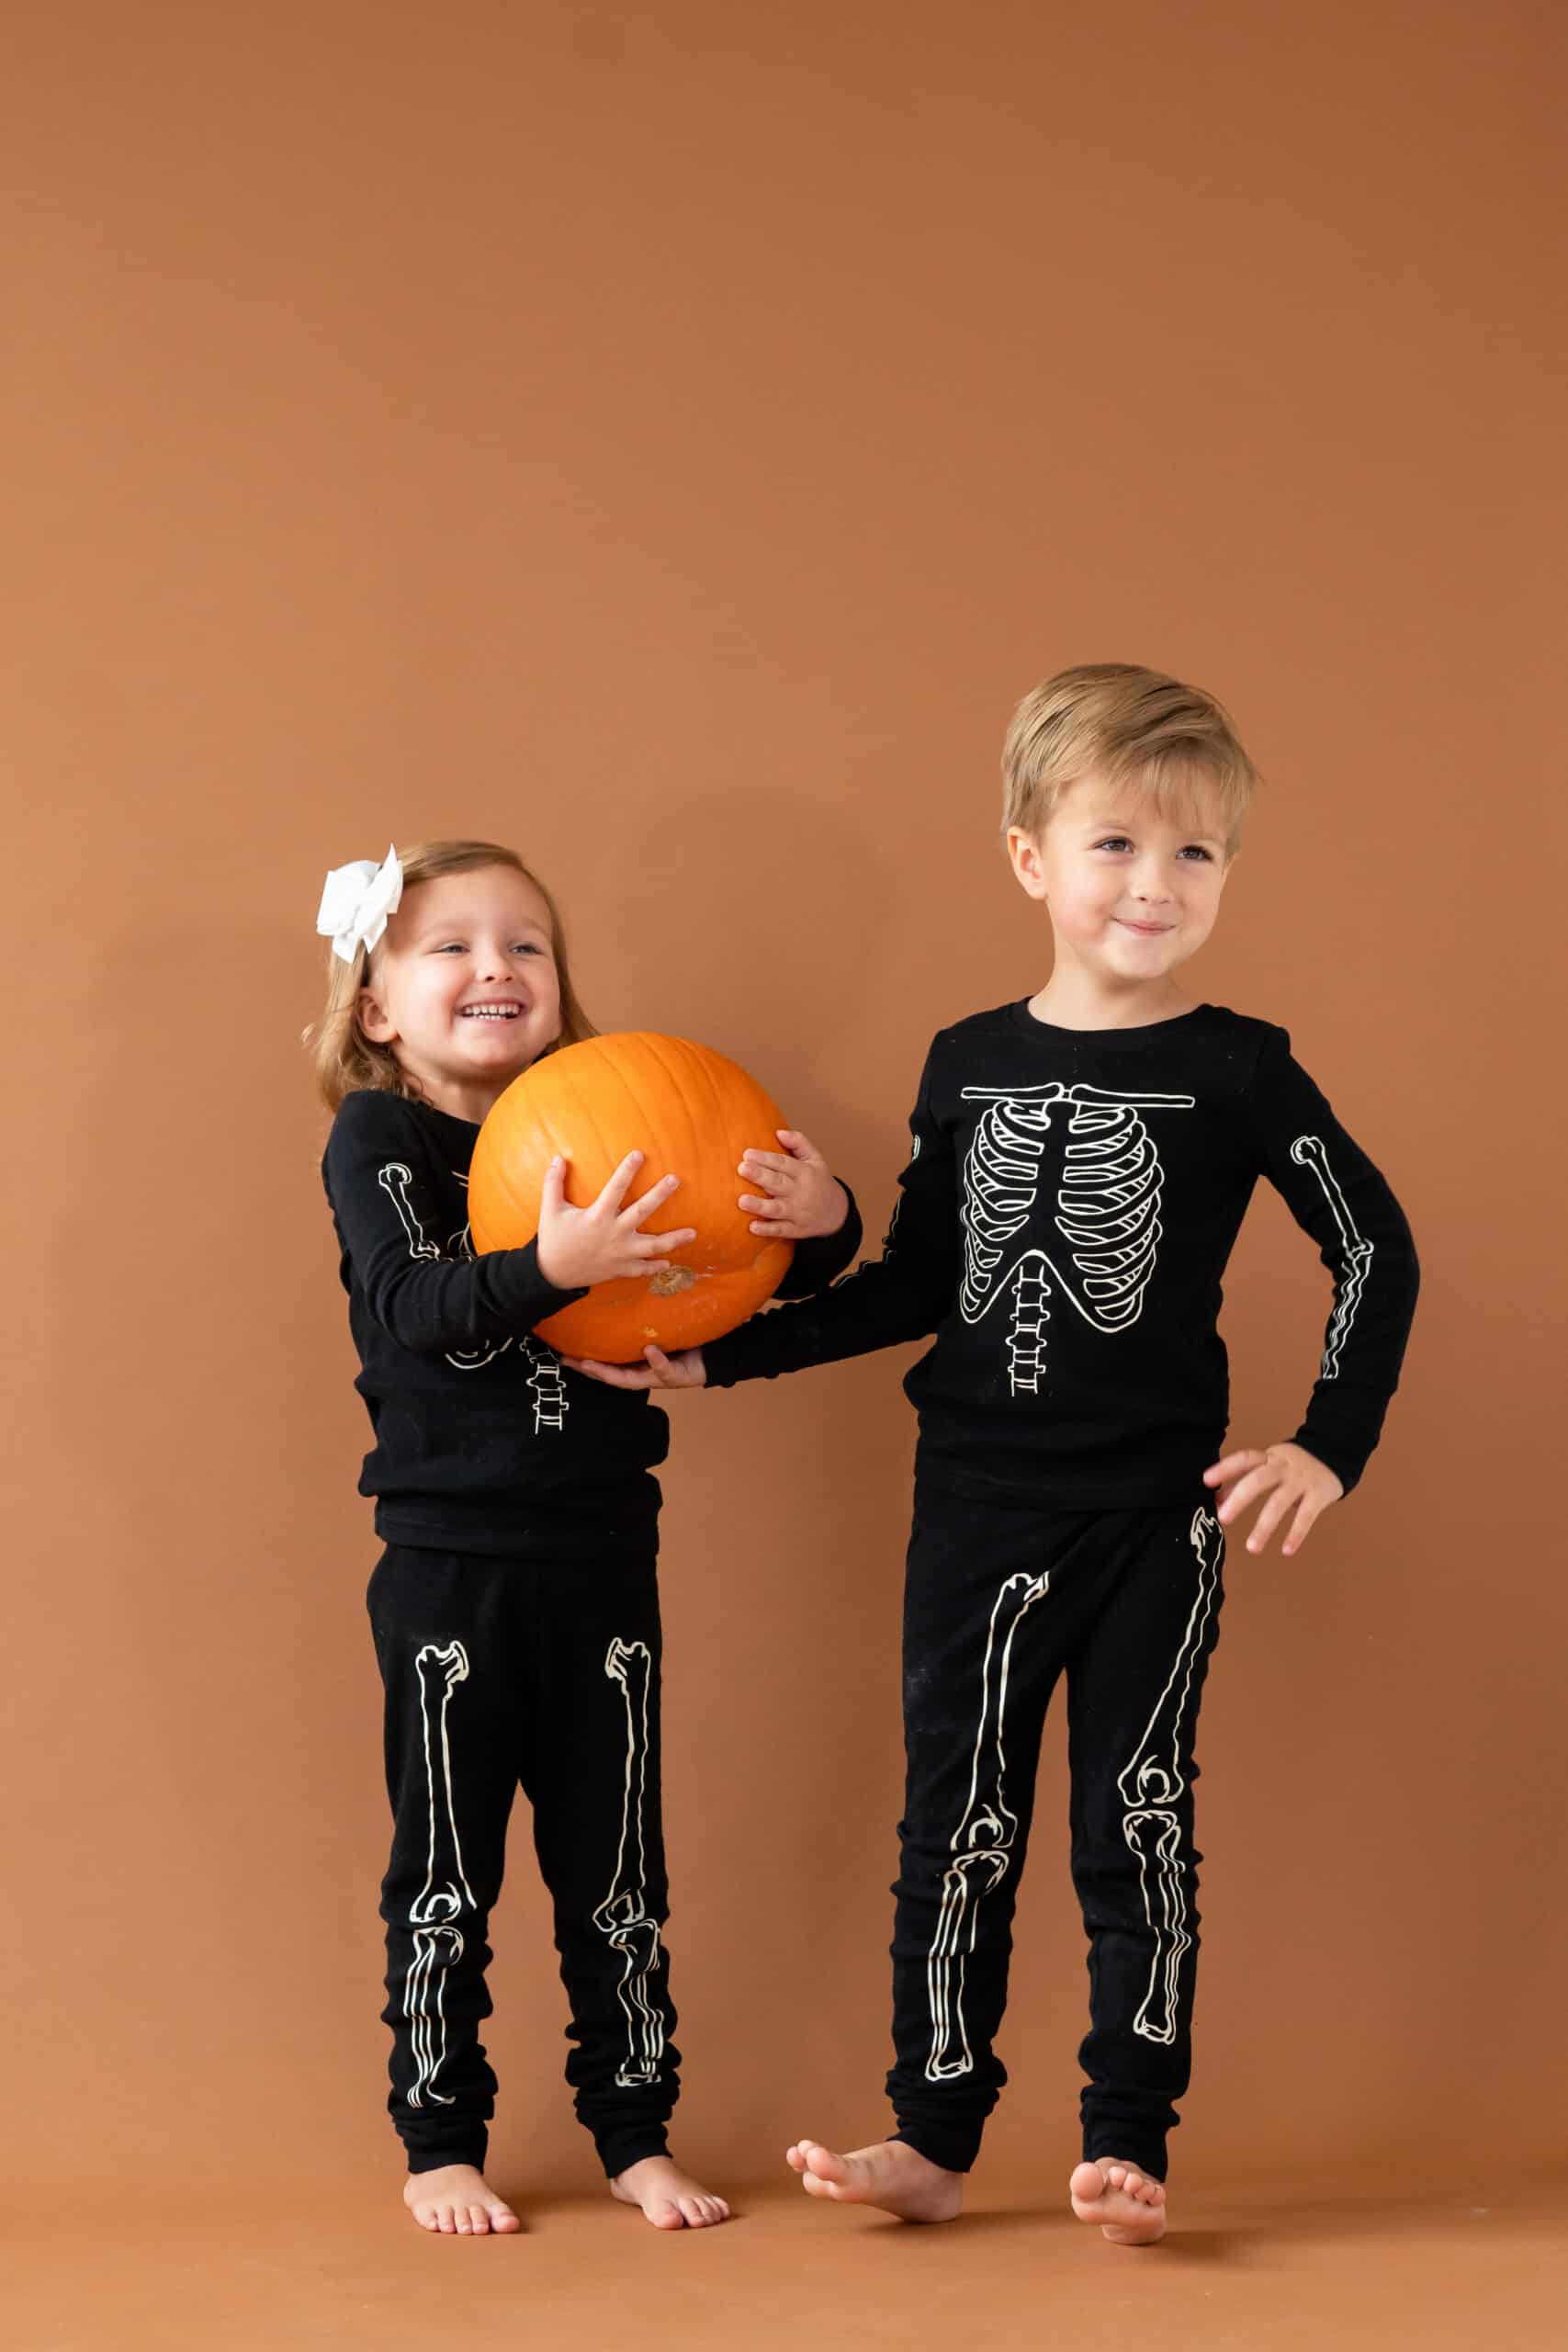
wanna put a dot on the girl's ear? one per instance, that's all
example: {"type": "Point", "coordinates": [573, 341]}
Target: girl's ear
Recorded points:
{"type": "Point", "coordinates": [373, 1018]}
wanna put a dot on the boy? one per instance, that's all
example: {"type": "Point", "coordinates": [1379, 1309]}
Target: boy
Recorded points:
{"type": "Point", "coordinates": [1080, 1165]}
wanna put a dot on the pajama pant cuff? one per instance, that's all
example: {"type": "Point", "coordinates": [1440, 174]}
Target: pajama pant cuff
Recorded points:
{"type": "Point", "coordinates": [953, 2151]}
{"type": "Point", "coordinates": [618, 2151]}
{"type": "Point", "coordinates": [471, 2148]}
{"type": "Point", "coordinates": [1143, 2148]}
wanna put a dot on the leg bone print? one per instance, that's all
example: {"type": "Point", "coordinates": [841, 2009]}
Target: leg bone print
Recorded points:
{"type": "Point", "coordinates": [1307, 1151]}
{"type": "Point", "coordinates": [623, 1915]}
{"type": "Point", "coordinates": [437, 1941]}
{"type": "Point", "coordinates": [1150, 1788]}
{"type": "Point", "coordinates": [546, 1377]}
{"type": "Point", "coordinates": [982, 1843]}
{"type": "Point", "coordinates": [1106, 1212]}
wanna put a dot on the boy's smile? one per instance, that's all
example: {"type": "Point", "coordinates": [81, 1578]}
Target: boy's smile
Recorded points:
{"type": "Point", "coordinates": [1133, 887]}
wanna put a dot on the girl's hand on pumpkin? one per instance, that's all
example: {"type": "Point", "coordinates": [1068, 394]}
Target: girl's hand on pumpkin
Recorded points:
{"type": "Point", "coordinates": [1295, 1480]}
{"type": "Point", "coordinates": [657, 1371]}
{"type": "Point", "coordinates": [604, 1243]}
{"type": "Point", "coordinates": [798, 1195]}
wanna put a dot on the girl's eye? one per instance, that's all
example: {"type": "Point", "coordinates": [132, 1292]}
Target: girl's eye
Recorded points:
{"type": "Point", "coordinates": [526, 947]}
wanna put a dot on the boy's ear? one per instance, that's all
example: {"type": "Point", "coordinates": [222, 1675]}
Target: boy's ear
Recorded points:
{"type": "Point", "coordinates": [1023, 851]}
{"type": "Point", "coordinates": [373, 1019]}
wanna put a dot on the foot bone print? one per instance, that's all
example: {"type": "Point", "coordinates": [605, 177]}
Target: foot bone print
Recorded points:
{"type": "Point", "coordinates": [1106, 1211]}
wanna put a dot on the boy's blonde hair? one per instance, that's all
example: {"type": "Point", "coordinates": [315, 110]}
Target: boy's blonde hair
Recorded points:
{"type": "Point", "coordinates": [348, 1062]}
{"type": "Point", "coordinates": [1132, 726]}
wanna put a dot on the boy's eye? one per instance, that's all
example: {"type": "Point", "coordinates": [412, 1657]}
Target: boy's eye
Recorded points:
{"type": "Point", "coordinates": [1114, 840]}
{"type": "Point", "coordinates": [1196, 849]}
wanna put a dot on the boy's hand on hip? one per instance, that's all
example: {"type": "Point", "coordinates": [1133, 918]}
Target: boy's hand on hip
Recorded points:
{"type": "Point", "coordinates": [797, 1196]}
{"type": "Point", "coordinates": [1294, 1481]}
{"type": "Point", "coordinates": [656, 1371]}
{"type": "Point", "coordinates": [603, 1242]}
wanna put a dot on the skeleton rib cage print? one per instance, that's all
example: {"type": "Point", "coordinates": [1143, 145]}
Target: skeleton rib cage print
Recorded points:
{"type": "Point", "coordinates": [1106, 1212]}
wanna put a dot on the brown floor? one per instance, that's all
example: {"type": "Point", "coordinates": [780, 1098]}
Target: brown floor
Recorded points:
{"type": "Point", "coordinates": [1301, 2265]}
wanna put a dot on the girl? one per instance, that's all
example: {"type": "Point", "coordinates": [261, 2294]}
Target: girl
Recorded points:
{"type": "Point", "coordinates": [514, 1608]}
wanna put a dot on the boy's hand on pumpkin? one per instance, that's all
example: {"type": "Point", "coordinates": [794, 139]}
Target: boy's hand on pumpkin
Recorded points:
{"type": "Point", "coordinates": [686, 1370]}
{"type": "Point", "coordinates": [603, 1242]}
{"type": "Point", "coordinates": [1294, 1481]}
{"type": "Point", "coordinates": [797, 1196]}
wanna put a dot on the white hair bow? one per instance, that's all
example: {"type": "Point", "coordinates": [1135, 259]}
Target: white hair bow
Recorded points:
{"type": "Point", "coordinates": [356, 901]}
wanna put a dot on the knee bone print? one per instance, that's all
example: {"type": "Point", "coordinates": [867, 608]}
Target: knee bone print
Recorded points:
{"type": "Point", "coordinates": [1106, 1212]}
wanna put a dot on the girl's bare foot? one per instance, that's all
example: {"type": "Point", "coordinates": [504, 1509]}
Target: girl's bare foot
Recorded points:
{"type": "Point", "coordinates": [1128, 2205]}
{"type": "Point", "coordinates": [892, 2175]}
{"type": "Point", "coordinates": [459, 2202]}
{"type": "Point", "coordinates": [670, 2197]}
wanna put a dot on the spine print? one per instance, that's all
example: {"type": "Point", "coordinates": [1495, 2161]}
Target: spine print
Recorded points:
{"type": "Point", "coordinates": [1307, 1151]}
{"type": "Point", "coordinates": [1105, 1214]}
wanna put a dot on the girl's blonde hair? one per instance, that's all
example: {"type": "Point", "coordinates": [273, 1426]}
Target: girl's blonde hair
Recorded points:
{"type": "Point", "coordinates": [348, 1062]}
{"type": "Point", "coordinates": [1129, 725]}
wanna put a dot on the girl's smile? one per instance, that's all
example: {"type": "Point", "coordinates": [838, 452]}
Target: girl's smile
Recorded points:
{"type": "Point", "coordinates": [464, 987]}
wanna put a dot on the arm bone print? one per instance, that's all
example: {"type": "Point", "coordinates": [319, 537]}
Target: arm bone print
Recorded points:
{"type": "Point", "coordinates": [1307, 1151]}
{"type": "Point", "coordinates": [546, 1377]}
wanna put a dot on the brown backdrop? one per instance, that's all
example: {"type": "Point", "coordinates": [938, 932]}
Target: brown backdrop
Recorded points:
{"type": "Point", "coordinates": [670, 440]}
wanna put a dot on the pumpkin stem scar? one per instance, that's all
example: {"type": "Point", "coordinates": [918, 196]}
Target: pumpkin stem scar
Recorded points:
{"type": "Point", "coordinates": [671, 1280]}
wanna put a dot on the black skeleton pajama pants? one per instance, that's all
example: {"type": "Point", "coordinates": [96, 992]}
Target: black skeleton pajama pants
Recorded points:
{"type": "Point", "coordinates": [1000, 1600]}
{"type": "Point", "coordinates": [500, 1674]}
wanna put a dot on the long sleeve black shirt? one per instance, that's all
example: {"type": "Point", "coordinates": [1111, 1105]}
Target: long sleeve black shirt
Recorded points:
{"type": "Point", "coordinates": [1062, 1227]}
{"type": "Point", "coordinates": [484, 1441]}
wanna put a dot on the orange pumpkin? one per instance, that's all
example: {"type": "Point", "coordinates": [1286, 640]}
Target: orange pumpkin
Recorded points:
{"type": "Point", "coordinates": [692, 1114]}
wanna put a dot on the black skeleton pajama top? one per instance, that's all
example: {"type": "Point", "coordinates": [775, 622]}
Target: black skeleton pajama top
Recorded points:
{"type": "Point", "coordinates": [484, 1441]}
{"type": "Point", "coordinates": [1062, 1227]}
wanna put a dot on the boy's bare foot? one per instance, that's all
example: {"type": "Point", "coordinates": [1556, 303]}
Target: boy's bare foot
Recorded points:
{"type": "Point", "coordinates": [459, 2202]}
{"type": "Point", "coordinates": [670, 2197]}
{"type": "Point", "coordinates": [892, 2175]}
{"type": "Point", "coordinates": [1128, 2204]}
